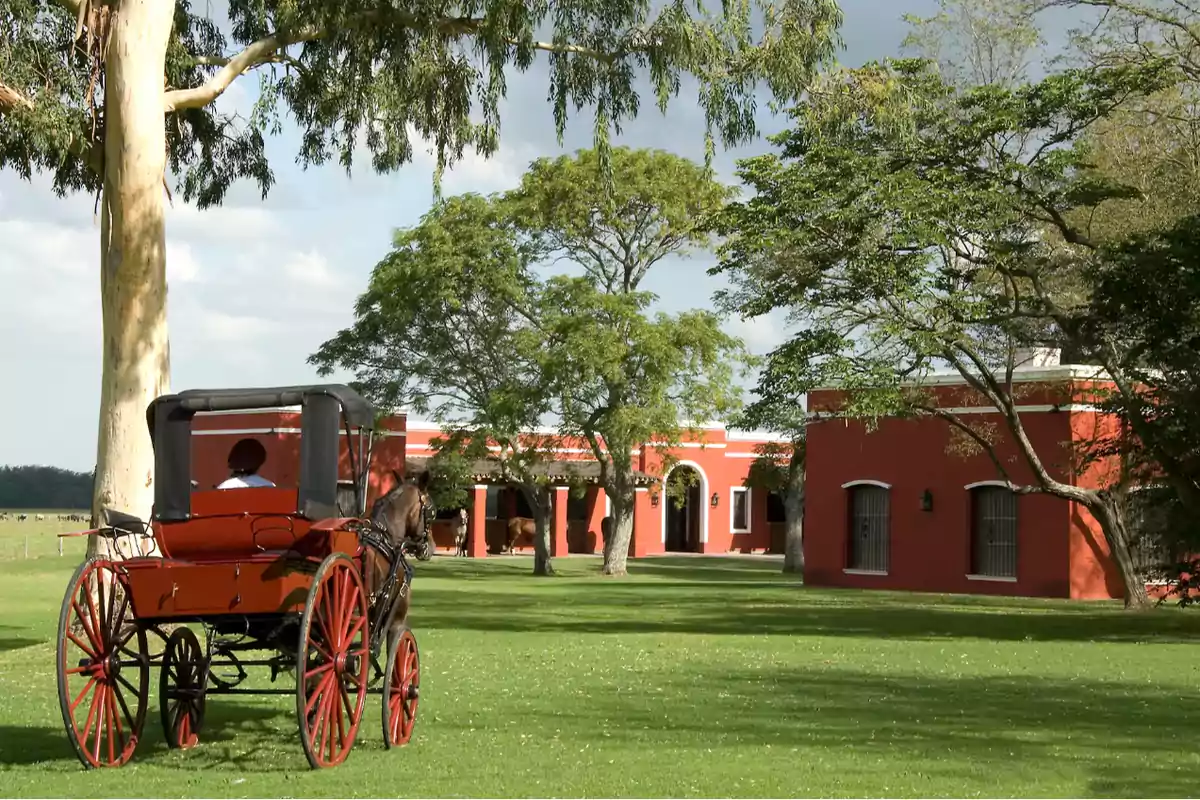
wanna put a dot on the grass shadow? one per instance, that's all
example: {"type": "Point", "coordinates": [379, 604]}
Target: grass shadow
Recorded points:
{"type": "Point", "coordinates": [1125, 736]}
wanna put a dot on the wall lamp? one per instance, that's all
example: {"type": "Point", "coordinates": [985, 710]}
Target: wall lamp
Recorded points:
{"type": "Point", "coordinates": [654, 499]}
{"type": "Point", "coordinates": [927, 500]}
{"type": "Point", "coordinates": [716, 500]}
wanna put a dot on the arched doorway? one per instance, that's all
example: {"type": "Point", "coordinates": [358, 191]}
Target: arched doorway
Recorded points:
{"type": "Point", "coordinates": [684, 516]}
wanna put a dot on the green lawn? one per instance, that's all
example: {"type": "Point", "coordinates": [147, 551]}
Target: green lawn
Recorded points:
{"type": "Point", "coordinates": [694, 677]}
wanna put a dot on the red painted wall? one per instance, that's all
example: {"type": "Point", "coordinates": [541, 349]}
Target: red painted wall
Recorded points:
{"type": "Point", "coordinates": [723, 461]}
{"type": "Point", "coordinates": [1061, 552]}
{"type": "Point", "coordinates": [279, 431]}
{"type": "Point", "coordinates": [721, 458]}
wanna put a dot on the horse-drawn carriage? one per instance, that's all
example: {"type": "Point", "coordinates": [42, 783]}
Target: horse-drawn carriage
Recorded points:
{"type": "Point", "coordinates": [280, 570]}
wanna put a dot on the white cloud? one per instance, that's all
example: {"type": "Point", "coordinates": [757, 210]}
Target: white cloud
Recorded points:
{"type": "Point", "coordinates": [230, 224]}
{"type": "Point", "coordinates": [760, 334]}
{"type": "Point", "coordinates": [474, 172]}
{"type": "Point", "coordinates": [309, 269]}
{"type": "Point", "coordinates": [182, 266]}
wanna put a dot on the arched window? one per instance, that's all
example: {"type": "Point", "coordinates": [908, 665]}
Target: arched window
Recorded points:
{"type": "Point", "coordinates": [993, 531]}
{"type": "Point", "coordinates": [868, 545]}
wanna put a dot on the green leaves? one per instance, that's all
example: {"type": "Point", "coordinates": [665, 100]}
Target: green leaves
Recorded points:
{"type": "Point", "coordinates": [358, 72]}
{"type": "Point", "coordinates": [909, 223]}
{"type": "Point", "coordinates": [459, 322]}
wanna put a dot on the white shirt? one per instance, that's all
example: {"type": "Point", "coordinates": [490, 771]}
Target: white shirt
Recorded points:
{"type": "Point", "coordinates": [244, 482]}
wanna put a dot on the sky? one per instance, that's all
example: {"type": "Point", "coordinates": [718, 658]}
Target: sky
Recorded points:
{"type": "Point", "coordinates": [256, 286]}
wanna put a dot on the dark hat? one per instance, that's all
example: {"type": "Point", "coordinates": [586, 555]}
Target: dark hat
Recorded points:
{"type": "Point", "coordinates": [247, 456]}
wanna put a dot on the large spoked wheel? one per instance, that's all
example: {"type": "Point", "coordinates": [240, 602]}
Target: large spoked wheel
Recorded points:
{"type": "Point", "coordinates": [103, 683]}
{"type": "Point", "coordinates": [402, 690]}
{"type": "Point", "coordinates": [181, 688]}
{"type": "Point", "coordinates": [331, 662]}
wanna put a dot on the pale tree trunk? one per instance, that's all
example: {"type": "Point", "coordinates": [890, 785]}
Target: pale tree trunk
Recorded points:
{"type": "Point", "coordinates": [539, 501]}
{"type": "Point", "coordinates": [1116, 534]}
{"type": "Point", "coordinates": [616, 547]}
{"type": "Point", "coordinates": [133, 281]}
{"type": "Point", "coordinates": [793, 512]}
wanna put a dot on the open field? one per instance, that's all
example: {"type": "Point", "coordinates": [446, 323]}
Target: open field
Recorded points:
{"type": "Point", "coordinates": [694, 677]}
{"type": "Point", "coordinates": [33, 538]}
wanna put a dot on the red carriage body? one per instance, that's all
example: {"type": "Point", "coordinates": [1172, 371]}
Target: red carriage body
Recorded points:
{"type": "Point", "coordinates": [276, 569]}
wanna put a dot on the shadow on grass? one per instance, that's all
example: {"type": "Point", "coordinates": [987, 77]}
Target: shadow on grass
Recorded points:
{"type": "Point", "coordinates": [1125, 737]}
{"type": "Point", "coordinates": [8, 643]}
{"type": "Point", "coordinates": [224, 723]}
{"type": "Point", "coordinates": [684, 608]}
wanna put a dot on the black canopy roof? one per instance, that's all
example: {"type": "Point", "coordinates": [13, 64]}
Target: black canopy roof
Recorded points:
{"type": "Point", "coordinates": [359, 412]}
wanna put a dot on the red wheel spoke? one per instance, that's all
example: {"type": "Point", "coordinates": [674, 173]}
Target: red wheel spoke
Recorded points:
{"type": "Point", "coordinates": [345, 698]}
{"type": "Point", "coordinates": [326, 727]}
{"type": "Point", "coordinates": [120, 698]}
{"type": "Point", "coordinates": [314, 644]}
{"type": "Point", "coordinates": [91, 653]}
{"type": "Point", "coordinates": [321, 615]}
{"type": "Point", "coordinates": [341, 722]}
{"type": "Point", "coordinates": [109, 713]}
{"type": "Point", "coordinates": [312, 673]}
{"type": "Point", "coordinates": [79, 697]}
{"type": "Point", "coordinates": [347, 608]}
{"type": "Point", "coordinates": [98, 703]}
{"type": "Point", "coordinates": [116, 622]}
{"type": "Point", "coordinates": [317, 693]}
{"type": "Point", "coordinates": [358, 626]}
{"type": "Point", "coordinates": [87, 725]}
{"type": "Point", "coordinates": [104, 628]}
{"type": "Point", "coordinates": [95, 617]}
{"type": "Point", "coordinates": [77, 670]}
{"type": "Point", "coordinates": [86, 628]}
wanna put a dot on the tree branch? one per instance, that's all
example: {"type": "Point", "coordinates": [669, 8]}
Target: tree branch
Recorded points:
{"type": "Point", "coordinates": [267, 51]}
{"type": "Point", "coordinates": [264, 51]}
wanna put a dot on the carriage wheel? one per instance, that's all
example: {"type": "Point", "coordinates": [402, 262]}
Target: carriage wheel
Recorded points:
{"type": "Point", "coordinates": [331, 663]}
{"type": "Point", "coordinates": [181, 688]}
{"type": "Point", "coordinates": [99, 675]}
{"type": "Point", "coordinates": [402, 690]}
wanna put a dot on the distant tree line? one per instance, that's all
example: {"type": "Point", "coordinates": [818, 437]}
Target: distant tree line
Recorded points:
{"type": "Point", "coordinates": [44, 487]}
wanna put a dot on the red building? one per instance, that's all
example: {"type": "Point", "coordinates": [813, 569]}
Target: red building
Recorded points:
{"type": "Point", "coordinates": [720, 514]}
{"type": "Point", "coordinates": [899, 508]}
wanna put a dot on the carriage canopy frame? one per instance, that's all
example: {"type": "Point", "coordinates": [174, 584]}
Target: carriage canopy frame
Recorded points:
{"type": "Point", "coordinates": [326, 411]}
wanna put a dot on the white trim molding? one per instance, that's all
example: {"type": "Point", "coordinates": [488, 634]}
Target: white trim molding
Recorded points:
{"type": "Point", "coordinates": [876, 572]}
{"type": "Point", "coordinates": [244, 432]}
{"type": "Point", "coordinates": [733, 492]}
{"type": "Point", "coordinates": [866, 482]}
{"type": "Point", "coordinates": [704, 507]}
{"type": "Point", "coordinates": [981, 484]}
{"type": "Point", "coordinates": [1025, 374]}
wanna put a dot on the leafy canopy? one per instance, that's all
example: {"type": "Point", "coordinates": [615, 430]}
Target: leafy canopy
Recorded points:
{"type": "Point", "coordinates": [908, 224]}
{"type": "Point", "coordinates": [362, 72]}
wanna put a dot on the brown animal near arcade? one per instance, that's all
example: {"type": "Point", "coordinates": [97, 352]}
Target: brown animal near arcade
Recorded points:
{"type": "Point", "coordinates": [516, 527]}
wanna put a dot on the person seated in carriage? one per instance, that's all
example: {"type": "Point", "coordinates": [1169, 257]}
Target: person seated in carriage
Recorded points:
{"type": "Point", "coordinates": [245, 460]}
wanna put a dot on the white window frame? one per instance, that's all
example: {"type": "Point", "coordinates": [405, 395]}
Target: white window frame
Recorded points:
{"type": "Point", "coordinates": [734, 491]}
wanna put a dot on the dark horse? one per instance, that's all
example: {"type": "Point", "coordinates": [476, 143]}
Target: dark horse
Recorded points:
{"type": "Point", "coordinates": [403, 513]}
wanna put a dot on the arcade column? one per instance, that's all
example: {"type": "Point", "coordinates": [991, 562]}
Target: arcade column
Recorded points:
{"type": "Point", "coordinates": [477, 523]}
{"type": "Point", "coordinates": [647, 525]}
{"type": "Point", "coordinates": [558, 547]}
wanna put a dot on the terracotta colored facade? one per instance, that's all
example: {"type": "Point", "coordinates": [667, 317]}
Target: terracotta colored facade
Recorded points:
{"type": "Point", "coordinates": [935, 530]}
{"type": "Point", "coordinates": [720, 515]}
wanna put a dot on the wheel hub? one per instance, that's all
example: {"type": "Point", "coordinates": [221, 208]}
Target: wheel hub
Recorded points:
{"type": "Point", "coordinates": [413, 692]}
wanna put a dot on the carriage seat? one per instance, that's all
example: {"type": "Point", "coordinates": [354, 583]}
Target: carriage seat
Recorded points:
{"type": "Point", "coordinates": [235, 523]}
